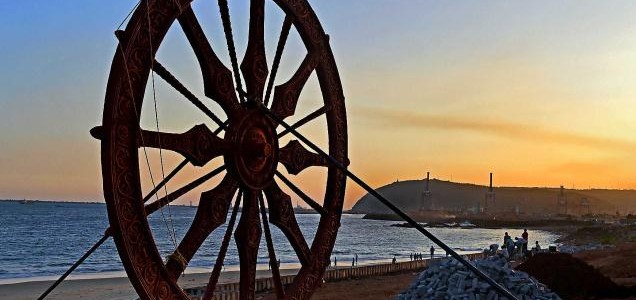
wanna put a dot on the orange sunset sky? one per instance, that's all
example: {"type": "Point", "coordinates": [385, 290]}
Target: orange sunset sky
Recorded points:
{"type": "Point", "coordinates": [542, 93]}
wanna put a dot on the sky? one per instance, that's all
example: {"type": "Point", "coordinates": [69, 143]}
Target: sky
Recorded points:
{"type": "Point", "coordinates": [542, 93]}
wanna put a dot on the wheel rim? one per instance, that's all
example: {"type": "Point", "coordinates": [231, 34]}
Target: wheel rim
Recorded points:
{"type": "Point", "coordinates": [250, 151]}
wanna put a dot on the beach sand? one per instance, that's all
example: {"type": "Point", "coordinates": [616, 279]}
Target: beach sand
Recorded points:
{"type": "Point", "coordinates": [616, 263]}
{"type": "Point", "coordinates": [378, 287]}
{"type": "Point", "coordinates": [108, 288]}
{"type": "Point", "coordinates": [370, 288]}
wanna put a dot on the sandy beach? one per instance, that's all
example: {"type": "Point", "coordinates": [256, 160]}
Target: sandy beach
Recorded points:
{"type": "Point", "coordinates": [613, 261]}
{"type": "Point", "coordinates": [378, 287]}
{"type": "Point", "coordinates": [119, 288]}
{"type": "Point", "coordinates": [115, 288]}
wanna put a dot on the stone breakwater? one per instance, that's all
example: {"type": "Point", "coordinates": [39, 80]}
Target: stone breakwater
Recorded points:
{"type": "Point", "coordinates": [449, 279]}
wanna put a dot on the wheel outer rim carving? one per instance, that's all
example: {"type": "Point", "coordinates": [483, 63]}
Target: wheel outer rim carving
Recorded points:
{"type": "Point", "coordinates": [120, 161]}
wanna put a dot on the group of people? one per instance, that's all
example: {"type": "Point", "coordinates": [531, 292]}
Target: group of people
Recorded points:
{"type": "Point", "coordinates": [519, 246]}
{"type": "Point", "coordinates": [420, 256]}
{"type": "Point", "coordinates": [416, 256]}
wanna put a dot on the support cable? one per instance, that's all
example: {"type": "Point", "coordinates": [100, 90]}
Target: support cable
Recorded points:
{"type": "Point", "coordinates": [75, 265]}
{"type": "Point", "coordinates": [170, 222]}
{"type": "Point", "coordinates": [501, 289]}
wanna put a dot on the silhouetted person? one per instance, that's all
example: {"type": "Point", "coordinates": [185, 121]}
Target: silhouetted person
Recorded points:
{"type": "Point", "coordinates": [353, 262]}
{"type": "Point", "coordinates": [432, 252]}
{"type": "Point", "coordinates": [394, 260]}
{"type": "Point", "coordinates": [411, 256]}
{"type": "Point", "coordinates": [335, 262]}
{"type": "Point", "coordinates": [524, 246]}
{"type": "Point", "coordinates": [508, 243]}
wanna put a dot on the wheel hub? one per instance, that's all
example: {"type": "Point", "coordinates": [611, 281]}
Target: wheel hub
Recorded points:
{"type": "Point", "coordinates": [254, 145]}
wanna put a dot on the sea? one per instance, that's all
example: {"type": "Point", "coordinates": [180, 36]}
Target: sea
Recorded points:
{"type": "Point", "coordinates": [41, 240]}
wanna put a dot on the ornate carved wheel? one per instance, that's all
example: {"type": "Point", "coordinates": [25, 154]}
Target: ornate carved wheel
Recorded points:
{"type": "Point", "coordinates": [249, 148]}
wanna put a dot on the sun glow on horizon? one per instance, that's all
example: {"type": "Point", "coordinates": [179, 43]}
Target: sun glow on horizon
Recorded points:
{"type": "Point", "coordinates": [541, 93]}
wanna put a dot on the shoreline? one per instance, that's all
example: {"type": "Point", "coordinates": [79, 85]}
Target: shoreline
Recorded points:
{"type": "Point", "coordinates": [111, 287]}
{"type": "Point", "coordinates": [201, 270]}
{"type": "Point", "coordinates": [119, 287]}
{"type": "Point", "coordinates": [115, 285]}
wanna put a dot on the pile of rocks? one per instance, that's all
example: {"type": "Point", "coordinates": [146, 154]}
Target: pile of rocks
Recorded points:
{"type": "Point", "coordinates": [449, 279]}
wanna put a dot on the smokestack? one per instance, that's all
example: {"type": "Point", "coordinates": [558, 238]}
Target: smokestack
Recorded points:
{"type": "Point", "coordinates": [490, 188]}
{"type": "Point", "coordinates": [427, 178]}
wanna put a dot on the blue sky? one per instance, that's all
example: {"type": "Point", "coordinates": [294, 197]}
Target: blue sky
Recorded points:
{"type": "Point", "coordinates": [541, 92]}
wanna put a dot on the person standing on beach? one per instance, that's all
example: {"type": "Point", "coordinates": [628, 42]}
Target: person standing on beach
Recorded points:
{"type": "Point", "coordinates": [524, 247]}
{"type": "Point", "coordinates": [356, 259]}
{"type": "Point", "coordinates": [394, 260]}
{"type": "Point", "coordinates": [335, 262]}
{"type": "Point", "coordinates": [353, 262]}
{"type": "Point", "coordinates": [432, 252]}
{"type": "Point", "coordinates": [508, 243]}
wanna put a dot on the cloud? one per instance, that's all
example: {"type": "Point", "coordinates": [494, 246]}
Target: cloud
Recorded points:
{"type": "Point", "coordinates": [500, 128]}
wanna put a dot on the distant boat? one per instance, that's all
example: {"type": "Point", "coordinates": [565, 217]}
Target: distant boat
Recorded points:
{"type": "Point", "coordinates": [466, 224]}
{"type": "Point", "coordinates": [452, 224]}
{"type": "Point", "coordinates": [25, 201]}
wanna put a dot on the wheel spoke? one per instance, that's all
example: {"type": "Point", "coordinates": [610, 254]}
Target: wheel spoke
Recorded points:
{"type": "Point", "coordinates": [199, 145]}
{"type": "Point", "coordinates": [176, 84]}
{"type": "Point", "coordinates": [248, 237]}
{"type": "Point", "coordinates": [282, 40]}
{"type": "Point", "coordinates": [317, 207]}
{"type": "Point", "coordinates": [315, 114]}
{"type": "Point", "coordinates": [220, 258]}
{"type": "Point", "coordinates": [281, 214]}
{"type": "Point", "coordinates": [217, 79]}
{"type": "Point", "coordinates": [154, 206]}
{"type": "Point", "coordinates": [166, 180]}
{"type": "Point", "coordinates": [211, 213]}
{"type": "Point", "coordinates": [229, 39]}
{"type": "Point", "coordinates": [286, 95]}
{"type": "Point", "coordinates": [254, 65]}
{"type": "Point", "coordinates": [273, 262]}
{"type": "Point", "coordinates": [296, 158]}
